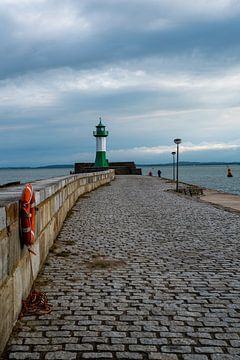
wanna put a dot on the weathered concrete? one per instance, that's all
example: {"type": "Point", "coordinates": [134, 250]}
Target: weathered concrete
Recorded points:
{"type": "Point", "coordinates": [173, 293]}
{"type": "Point", "coordinates": [18, 268]}
{"type": "Point", "coordinates": [228, 201]}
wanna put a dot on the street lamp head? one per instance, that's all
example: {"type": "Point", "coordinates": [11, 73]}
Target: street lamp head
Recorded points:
{"type": "Point", "coordinates": [173, 153]}
{"type": "Point", "coordinates": [177, 141]}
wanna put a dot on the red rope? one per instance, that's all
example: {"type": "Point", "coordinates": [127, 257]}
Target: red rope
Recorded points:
{"type": "Point", "coordinates": [35, 304]}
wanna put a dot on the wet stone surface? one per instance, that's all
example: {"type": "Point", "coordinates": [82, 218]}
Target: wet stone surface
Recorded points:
{"type": "Point", "coordinates": [138, 273]}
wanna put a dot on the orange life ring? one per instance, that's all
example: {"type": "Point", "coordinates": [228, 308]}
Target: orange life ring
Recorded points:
{"type": "Point", "coordinates": [27, 214]}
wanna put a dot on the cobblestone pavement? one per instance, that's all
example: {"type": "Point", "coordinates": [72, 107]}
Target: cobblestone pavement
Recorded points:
{"type": "Point", "coordinates": [139, 273]}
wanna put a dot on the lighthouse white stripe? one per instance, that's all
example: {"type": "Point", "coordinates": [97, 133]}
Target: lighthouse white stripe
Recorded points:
{"type": "Point", "coordinates": [100, 144]}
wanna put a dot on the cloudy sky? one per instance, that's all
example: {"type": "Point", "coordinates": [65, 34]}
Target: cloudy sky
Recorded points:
{"type": "Point", "coordinates": [153, 69]}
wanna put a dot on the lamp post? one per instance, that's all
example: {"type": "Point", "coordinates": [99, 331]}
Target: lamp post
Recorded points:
{"type": "Point", "coordinates": [177, 141]}
{"type": "Point", "coordinates": [173, 165]}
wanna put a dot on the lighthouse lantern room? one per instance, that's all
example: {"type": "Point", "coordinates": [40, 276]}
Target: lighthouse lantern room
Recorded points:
{"type": "Point", "coordinates": [101, 136]}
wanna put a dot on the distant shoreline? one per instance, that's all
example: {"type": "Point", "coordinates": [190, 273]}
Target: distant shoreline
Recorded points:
{"type": "Point", "coordinates": [188, 163]}
{"type": "Point", "coordinates": [69, 166]}
{"type": "Point", "coordinates": [37, 167]}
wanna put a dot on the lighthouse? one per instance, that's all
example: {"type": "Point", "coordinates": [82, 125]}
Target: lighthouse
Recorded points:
{"type": "Point", "coordinates": [101, 137]}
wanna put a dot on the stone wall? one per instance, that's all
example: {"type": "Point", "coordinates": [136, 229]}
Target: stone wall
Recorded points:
{"type": "Point", "coordinates": [121, 168]}
{"type": "Point", "coordinates": [18, 268]}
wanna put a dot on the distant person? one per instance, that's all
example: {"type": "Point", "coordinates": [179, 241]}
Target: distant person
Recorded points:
{"type": "Point", "coordinates": [159, 173]}
{"type": "Point", "coordinates": [150, 173]}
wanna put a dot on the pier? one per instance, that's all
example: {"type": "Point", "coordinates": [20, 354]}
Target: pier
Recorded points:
{"type": "Point", "coordinates": [138, 272]}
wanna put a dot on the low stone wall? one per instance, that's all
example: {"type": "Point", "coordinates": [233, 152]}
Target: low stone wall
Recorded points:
{"type": "Point", "coordinates": [121, 168]}
{"type": "Point", "coordinates": [18, 268]}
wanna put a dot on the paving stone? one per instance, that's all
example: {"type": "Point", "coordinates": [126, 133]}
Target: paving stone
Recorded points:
{"type": "Point", "coordinates": [24, 355]}
{"type": "Point", "coordinates": [67, 340]}
{"type": "Point", "coordinates": [128, 355]}
{"type": "Point", "coordinates": [112, 334]}
{"type": "Point", "coordinates": [212, 342]}
{"type": "Point", "coordinates": [127, 327]}
{"type": "Point", "coordinates": [235, 343]}
{"type": "Point", "coordinates": [115, 347]}
{"type": "Point", "coordinates": [45, 348]}
{"type": "Point", "coordinates": [171, 335]}
{"type": "Point", "coordinates": [208, 349]}
{"type": "Point", "coordinates": [36, 341]}
{"type": "Point", "coordinates": [19, 348]}
{"type": "Point", "coordinates": [176, 349]}
{"type": "Point", "coordinates": [173, 293]}
{"type": "Point", "coordinates": [60, 355]}
{"type": "Point", "coordinates": [94, 339]}
{"type": "Point", "coordinates": [142, 348]}
{"type": "Point", "coordinates": [85, 333]}
{"type": "Point", "coordinates": [183, 341]}
{"type": "Point", "coordinates": [142, 334]}
{"type": "Point", "coordinates": [233, 350]}
{"type": "Point", "coordinates": [45, 328]}
{"type": "Point", "coordinates": [58, 333]}
{"type": "Point", "coordinates": [195, 357]}
{"type": "Point", "coordinates": [146, 341]}
{"type": "Point", "coordinates": [124, 340]}
{"type": "Point", "coordinates": [97, 355]}
{"type": "Point", "coordinates": [224, 357]}
{"type": "Point", "coordinates": [200, 335]}
{"type": "Point", "coordinates": [227, 336]}
{"type": "Point", "coordinates": [33, 334]}
{"type": "Point", "coordinates": [159, 356]}
{"type": "Point", "coordinates": [79, 347]}
{"type": "Point", "coordinates": [17, 341]}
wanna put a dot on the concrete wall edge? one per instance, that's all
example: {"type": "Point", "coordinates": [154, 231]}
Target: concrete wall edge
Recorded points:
{"type": "Point", "coordinates": [57, 198]}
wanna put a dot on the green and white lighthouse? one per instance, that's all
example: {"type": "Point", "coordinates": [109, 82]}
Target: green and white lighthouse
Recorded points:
{"type": "Point", "coordinates": [101, 137]}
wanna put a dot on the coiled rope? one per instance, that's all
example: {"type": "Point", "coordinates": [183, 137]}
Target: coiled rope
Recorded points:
{"type": "Point", "coordinates": [35, 304]}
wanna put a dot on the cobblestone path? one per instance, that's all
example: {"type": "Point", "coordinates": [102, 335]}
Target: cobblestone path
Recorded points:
{"type": "Point", "coordinates": [139, 272]}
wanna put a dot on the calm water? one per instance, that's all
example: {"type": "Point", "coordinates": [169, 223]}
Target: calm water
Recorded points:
{"type": "Point", "coordinates": [27, 175]}
{"type": "Point", "coordinates": [209, 176]}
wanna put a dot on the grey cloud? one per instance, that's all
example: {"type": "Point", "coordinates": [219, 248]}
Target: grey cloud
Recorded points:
{"type": "Point", "coordinates": [119, 33]}
{"type": "Point", "coordinates": [153, 36]}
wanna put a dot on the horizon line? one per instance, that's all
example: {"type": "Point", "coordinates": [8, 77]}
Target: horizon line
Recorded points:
{"type": "Point", "coordinates": [137, 164]}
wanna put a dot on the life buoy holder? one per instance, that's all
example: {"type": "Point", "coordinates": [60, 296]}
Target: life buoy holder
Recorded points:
{"type": "Point", "coordinates": [27, 215]}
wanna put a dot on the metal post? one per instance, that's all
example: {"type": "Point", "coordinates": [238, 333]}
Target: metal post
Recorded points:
{"type": "Point", "coordinates": [177, 166]}
{"type": "Point", "coordinates": [173, 169]}
{"type": "Point", "coordinates": [177, 141]}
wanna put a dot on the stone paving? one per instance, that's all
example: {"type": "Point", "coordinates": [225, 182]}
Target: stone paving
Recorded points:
{"type": "Point", "coordinates": [138, 272]}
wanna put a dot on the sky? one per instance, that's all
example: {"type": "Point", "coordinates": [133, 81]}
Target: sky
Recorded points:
{"type": "Point", "coordinates": [154, 70]}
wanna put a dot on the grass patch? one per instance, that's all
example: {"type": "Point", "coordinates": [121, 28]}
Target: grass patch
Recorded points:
{"type": "Point", "coordinates": [104, 263]}
{"type": "Point", "coordinates": [53, 248]}
{"type": "Point", "coordinates": [70, 242]}
{"type": "Point", "coordinates": [69, 214]}
{"type": "Point", "coordinates": [107, 184]}
{"type": "Point", "coordinates": [63, 254]}
{"type": "Point", "coordinates": [43, 282]}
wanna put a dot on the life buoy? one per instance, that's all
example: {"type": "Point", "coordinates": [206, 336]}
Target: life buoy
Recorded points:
{"type": "Point", "coordinates": [27, 214]}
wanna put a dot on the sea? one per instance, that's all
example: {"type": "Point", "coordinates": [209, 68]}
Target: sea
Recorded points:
{"type": "Point", "coordinates": [208, 176]}
{"type": "Point", "coordinates": [28, 175]}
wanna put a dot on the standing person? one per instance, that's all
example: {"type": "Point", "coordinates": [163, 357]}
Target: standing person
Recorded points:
{"type": "Point", "coordinates": [150, 173]}
{"type": "Point", "coordinates": [159, 173]}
